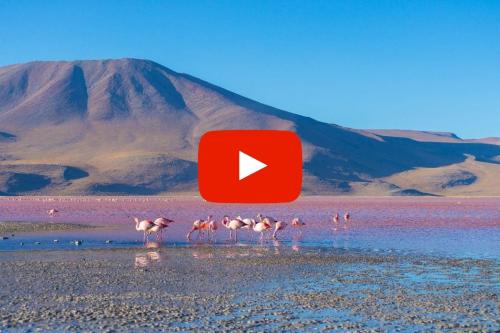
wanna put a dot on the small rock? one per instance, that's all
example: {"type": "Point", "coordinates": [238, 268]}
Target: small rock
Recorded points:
{"type": "Point", "coordinates": [5, 237]}
{"type": "Point", "coordinates": [38, 243]}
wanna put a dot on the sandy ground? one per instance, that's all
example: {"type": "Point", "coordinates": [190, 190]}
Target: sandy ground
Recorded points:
{"type": "Point", "coordinates": [246, 288]}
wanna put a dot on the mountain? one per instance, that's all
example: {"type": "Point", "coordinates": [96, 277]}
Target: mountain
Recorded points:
{"type": "Point", "coordinates": [131, 126]}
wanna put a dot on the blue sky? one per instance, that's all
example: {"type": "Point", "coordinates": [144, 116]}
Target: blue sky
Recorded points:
{"type": "Point", "coordinates": [430, 65]}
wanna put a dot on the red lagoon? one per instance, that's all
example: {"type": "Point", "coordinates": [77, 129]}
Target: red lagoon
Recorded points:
{"type": "Point", "coordinates": [455, 226]}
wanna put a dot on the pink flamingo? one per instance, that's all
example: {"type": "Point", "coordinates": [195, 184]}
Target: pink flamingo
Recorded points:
{"type": "Point", "coordinates": [280, 225]}
{"type": "Point", "coordinates": [267, 219]}
{"type": "Point", "coordinates": [297, 223]}
{"type": "Point", "coordinates": [158, 230]}
{"type": "Point", "coordinates": [212, 228]}
{"type": "Point", "coordinates": [262, 227]}
{"type": "Point", "coordinates": [347, 216]}
{"type": "Point", "coordinates": [143, 226]}
{"type": "Point", "coordinates": [200, 226]}
{"type": "Point", "coordinates": [52, 212]}
{"type": "Point", "coordinates": [233, 225]}
{"type": "Point", "coordinates": [249, 223]}
{"type": "Point", "coordinates": [162, 223]}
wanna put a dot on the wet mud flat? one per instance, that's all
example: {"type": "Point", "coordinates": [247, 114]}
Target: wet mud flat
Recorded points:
{"type": "Point", "coordinates": [246, 288]}
{"type": "Point", "coordinates": [21, 226]}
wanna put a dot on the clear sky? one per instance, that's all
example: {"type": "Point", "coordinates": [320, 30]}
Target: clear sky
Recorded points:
{"type": "Point", "coordinates": [430, 65]}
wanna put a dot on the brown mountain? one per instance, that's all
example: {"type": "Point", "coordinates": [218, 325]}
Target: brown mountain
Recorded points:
{"type": "Point", "coordinates": [132, 126]}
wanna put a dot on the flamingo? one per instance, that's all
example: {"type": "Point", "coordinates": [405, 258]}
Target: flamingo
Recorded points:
{"type": "Point", "coordinates": [297, 223]}
{"type": "Point", "coordinates": [267, 219]}
{"type": "Point", "coordinates": [158, 230]}
{"type": "Point", "coordinates": [143, 226]}
{"type": "Point", "coordinates": [52, 212]}
{"type": "Point", "coordinates": [225, 223]}
{"type": "Point", "coordinates": [347, 216]}
{"type": "Point", "coordinates": [336, 218]}
{"type": "Point", "coordinates": [200, 226]}
{"type": "Point", "coordinates": [212, 228]}
{"type": "Point", "coordinates": [162, 223]}
{"type": "Point", "coordinates": [233, 225]}
{"type": "Point", "coordinates": [261, 227]}
{"type": "Point", "coordinates": [280, 225]}
{"type": "Point", "coordinates": [249, 223]}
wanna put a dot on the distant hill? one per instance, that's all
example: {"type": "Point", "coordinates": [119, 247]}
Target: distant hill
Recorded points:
{"type": "Point", "coordinates": [131, 126]}
{"type": "Point", "coordinates": [423, 136]}
{"type": "Point", "coordinates": [430, 136]}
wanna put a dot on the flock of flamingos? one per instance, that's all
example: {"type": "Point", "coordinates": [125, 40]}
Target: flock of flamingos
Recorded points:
{"type": "Point", "coordinates": [261, 224]}
{"type": "Point", "coordinates": [209, 226]}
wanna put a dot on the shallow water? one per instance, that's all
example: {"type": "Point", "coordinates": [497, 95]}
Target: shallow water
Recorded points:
{"type": "Point", "coordinates": [458, 227]}
{"type": "Point", "coordinates": [247, 288]}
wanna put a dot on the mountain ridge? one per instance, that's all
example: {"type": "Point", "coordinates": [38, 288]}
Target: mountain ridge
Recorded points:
{"type": "Point", "coordinates": [133, 125]}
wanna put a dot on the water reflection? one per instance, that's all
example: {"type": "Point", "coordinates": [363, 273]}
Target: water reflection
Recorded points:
{"type": "Point", "coordinates": [154, 256]}
{"type": "Point", "coordinates": [202, 255]}
{"type": "Point", "coordinates": [276, 244]}
{"type": "Point", "coordinates": [143, 260]}
{"type": "Point", "coordinates": [153, 245]}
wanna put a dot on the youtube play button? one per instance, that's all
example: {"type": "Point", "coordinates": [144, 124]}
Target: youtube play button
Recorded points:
{"type": "Point", "coordinates": [250, 166]}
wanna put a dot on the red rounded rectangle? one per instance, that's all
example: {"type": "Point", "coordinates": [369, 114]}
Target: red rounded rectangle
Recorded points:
{"type": "Point", "coordinates": [219, 166]}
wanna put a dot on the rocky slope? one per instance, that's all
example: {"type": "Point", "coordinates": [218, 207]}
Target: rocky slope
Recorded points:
{"type": "Point", "coordinates": [131, 126]}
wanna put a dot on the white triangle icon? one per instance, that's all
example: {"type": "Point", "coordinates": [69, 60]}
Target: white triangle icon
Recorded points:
{"type": "Point", "coordinates": [249, 165]}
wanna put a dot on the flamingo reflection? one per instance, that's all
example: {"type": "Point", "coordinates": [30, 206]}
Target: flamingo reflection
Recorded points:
{"type": "Point", "coordinates": [201, 255]}
{"type": "Point", "coordinates": [143, 260]}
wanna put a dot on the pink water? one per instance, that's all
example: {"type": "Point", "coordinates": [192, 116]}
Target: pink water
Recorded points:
{"type": "Point", "coordinates": [450, 226]}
